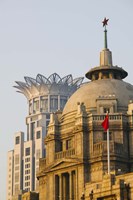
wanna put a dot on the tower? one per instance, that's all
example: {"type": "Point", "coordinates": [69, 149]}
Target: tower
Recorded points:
{"type": "Point", "coordinates": [44, 96]}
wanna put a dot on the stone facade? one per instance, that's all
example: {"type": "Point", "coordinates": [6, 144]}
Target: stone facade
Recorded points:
{"type": "Point", "coordinates": [75, 166]}
{"type": "Point", "coordinates": [76, 161]}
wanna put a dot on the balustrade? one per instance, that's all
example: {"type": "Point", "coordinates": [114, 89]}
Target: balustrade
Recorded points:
{"type": "Point", "coordinates": [112, 117]}
{"type": "Point", "coordinates": [64, 154]}
{"type": "Point", "coordinates": [115, 148]}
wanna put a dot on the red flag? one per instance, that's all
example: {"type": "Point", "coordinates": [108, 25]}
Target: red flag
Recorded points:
{"type": "Point", "coordinates": [105, 123]}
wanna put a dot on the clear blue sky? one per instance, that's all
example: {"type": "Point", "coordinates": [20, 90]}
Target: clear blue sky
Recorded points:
{"type": "Point", "coordinates": [47, 36]}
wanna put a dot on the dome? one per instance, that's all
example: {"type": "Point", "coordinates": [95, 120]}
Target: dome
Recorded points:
{"type": "Point", "coordinates": [105, 88]}
{"type": "Point", "coordinates": [106, 91]}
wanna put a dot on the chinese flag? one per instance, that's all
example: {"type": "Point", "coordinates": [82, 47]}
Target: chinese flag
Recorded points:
{"type": "Point", "coordinates": [105, 123]}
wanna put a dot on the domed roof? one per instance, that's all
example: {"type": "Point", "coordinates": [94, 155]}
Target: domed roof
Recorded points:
{"type": "Point", "coordinates": [104, 88]}
{"type": "Point", "coordinates": [106, 83]}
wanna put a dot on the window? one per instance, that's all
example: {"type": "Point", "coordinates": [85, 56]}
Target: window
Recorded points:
{"type": "Point", "coordinates": [48, 116]}
{"type": "Point", "coordinates": [32, 130]}
{"type": "Point", "coordinates": [60, 146]}
{"type": "Point", "coordinates": [17, 140]}
{"type": "Point", "coordinates": [27, 178]}
{"type": "Point", "coordinates": [106, 110]}
{"type": "Point", "coordinates": [27, 171]}
{"type": "Point", "coordinates": [105, 136]}
{"type": "Point", "coordinates": [38, 134]}
{"type": "Point", "coordinates": [63, 101]}
{"type": "Point", "coordinates": [27, 166]}
{"type": "Point", "coordinates": [28, 132]}
{"type": "Point", "coordinates": [27, 159]}
{"type": "Point", "coordinates": [27, 189]}
{"type": "Point", "coordinates": [44, 104]}
{"type": "Point", "coordinates": [53, 103]}
{"type": "Point", "coordinates": [27, 151]}
{"type": "Point", "coordinates": [17, 177]}
{"type": "Point", "coordinates": [36, 105]}
{"type": "Point", "coordinates": [16, 188]}
{"type": "Point", "coordinates": [27, 184]}
{"type": "Point", "coordinates": [30, 107]}
{"type": "Point", "coordinates": [68, 144]}
{"type": "Point", "coordinates": [47, 123]}
{"type": "Point", "coordinates": [16, 159]}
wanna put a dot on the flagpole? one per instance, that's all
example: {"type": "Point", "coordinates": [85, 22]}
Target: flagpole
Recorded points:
{"type": "Point", "coordinates": [105, 125]}
{"type": "Point", "coordinates": [108, 151]}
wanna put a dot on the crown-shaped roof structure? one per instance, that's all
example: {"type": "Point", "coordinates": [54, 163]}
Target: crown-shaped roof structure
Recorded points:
{"type": "Point", "coordinates": [53, 84]}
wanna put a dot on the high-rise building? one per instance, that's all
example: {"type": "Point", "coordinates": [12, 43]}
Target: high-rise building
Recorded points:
{"type": "Point", "coordinates": [44, 95]}
{"type": "Point", "coordinates": [83, 161]}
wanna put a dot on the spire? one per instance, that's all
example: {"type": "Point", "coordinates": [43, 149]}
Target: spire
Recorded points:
{"type": "Point", "coordinates": [105, 54]}
{"type": "Point", "coordinates": [105, 39]}
{"type": "Point", "coordinates": [105, 23]}
{"type": "Point", "coordinates": [106, 70]}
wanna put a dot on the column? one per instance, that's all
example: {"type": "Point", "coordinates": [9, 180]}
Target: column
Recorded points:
{"type": "Point", "coordinates": [67, 188]}
{"type": "Point", "coordinates": [58, 102]}
{"type": "Point", "coordinates": [70, 185]}
{"type": "Point", "coordinates": [56, 187]}
{"type": "Point", "coordinates": [60, 187]}
{"type": "Point", "coordinates": [63, 187]}
{"type": "Point", "coordinates": [32, 106]}
{"type": "Point", "coordinates": [76, 185]}
{"type": "Point", "coordinates": [30, 129]}
{"type": "Point", "coordinates": [40, 104]}
{"type": "Point", "coordinates": [73, 185]}
{"type": "Point", "coordinates": [49, 103]}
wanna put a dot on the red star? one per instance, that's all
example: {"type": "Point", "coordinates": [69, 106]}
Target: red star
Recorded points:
{"type": "Point", "coordinates": [105, 22]}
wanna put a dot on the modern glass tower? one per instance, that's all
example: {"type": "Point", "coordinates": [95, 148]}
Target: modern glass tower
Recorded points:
{"type": "Point", "coordinates": [44, 95]}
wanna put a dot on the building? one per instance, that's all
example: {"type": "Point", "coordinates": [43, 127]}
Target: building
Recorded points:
{"type": "Point", "coordinates": [75, 166]}
{"type": "Point", "coordinates": [44, 95]}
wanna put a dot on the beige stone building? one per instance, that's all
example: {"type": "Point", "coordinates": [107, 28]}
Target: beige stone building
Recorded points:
{"type": "Point", "coordinates": [75, 166]}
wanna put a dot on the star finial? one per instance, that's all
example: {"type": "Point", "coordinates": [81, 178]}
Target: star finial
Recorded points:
{"type": "Point", "coordinates": [105, 22]}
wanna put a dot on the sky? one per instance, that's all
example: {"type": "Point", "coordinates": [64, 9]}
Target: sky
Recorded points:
{"type": "Point", "coordinates": [47, 36]}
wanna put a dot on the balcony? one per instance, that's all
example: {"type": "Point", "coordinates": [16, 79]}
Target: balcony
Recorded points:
{"type": "Point", "coordinates": [65, 154]}
{"type": "Point", "coordinates": [100, 149]}
{"type": "Point", "coordinates": [112, 117]}
{"type": "Point", "coordinates": [116, 121]}
{"type": "Point", "coordinates": [62, 154]}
